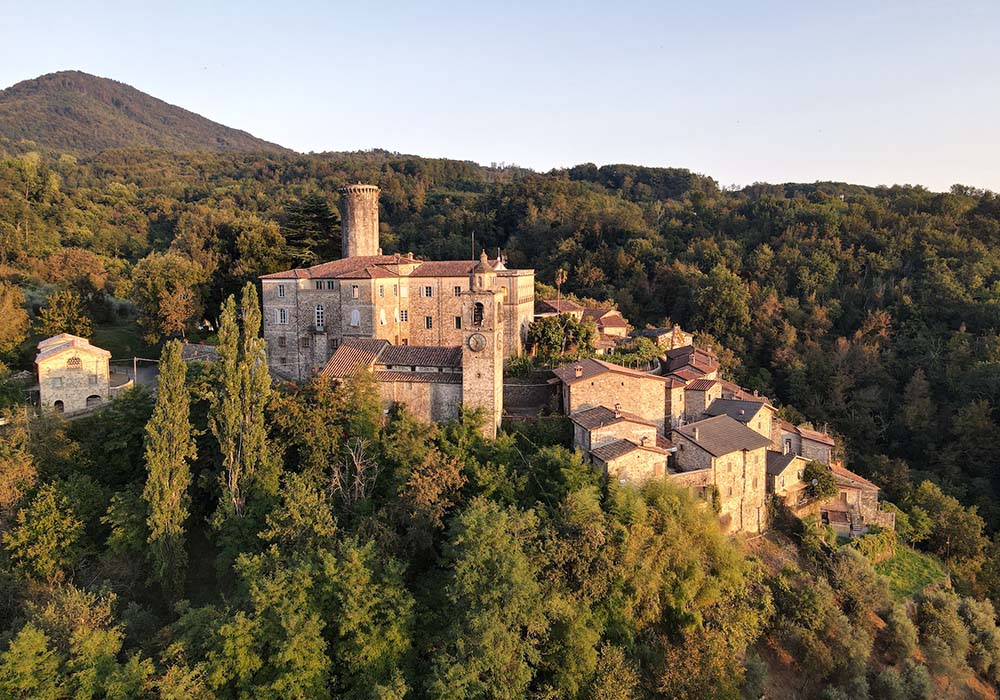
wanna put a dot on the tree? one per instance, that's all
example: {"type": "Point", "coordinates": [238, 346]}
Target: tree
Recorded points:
{"type": "Point", "coordinates": [169, 447]}
{"type": "Point", "coordinates": [13, 318]}
{"type": "Point", "coordinates": [825, 486]}
{"type": "Point", "coordinates": [17, 467]}
{"type": "Point", "coordinates": [156, 280]}
{"type": "Point", "coordinates": [237, 405]}
{"type": "Point", "coordinates": [29, 668]}
{"type": "Point", "coordinates": [63, 313]}
{"type": "Point", "coordinates": [553, 336]}
{"type": "Point", "coordinates": [45, 541]}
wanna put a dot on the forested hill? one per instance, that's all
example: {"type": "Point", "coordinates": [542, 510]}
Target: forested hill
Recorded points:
{"type": "Point", "coordinates": [80, 113]}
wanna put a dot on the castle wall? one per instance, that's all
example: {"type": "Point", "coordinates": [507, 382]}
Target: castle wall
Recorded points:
{"type": "Point", "coordinates": [431, 401]}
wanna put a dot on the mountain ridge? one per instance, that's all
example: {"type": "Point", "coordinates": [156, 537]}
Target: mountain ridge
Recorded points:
{"type": "Point", "coordinates": [80, 113]}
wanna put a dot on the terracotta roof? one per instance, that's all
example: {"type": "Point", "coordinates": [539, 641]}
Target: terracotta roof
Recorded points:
{"type": "Point", "coordinates": [422, 356]}
{"type": "Point", "coordinates": [816, 436]}
{"type": "Point", "coordinates": [419, 377]}
{"type": "Point", "coordinates": [605, 317]}
{"type": "Point", "coordinates": [352, 356]}
{"type": "Point", "coordinates": [664, 443]}
{"type": "Point", "coordinates": [737, 392]}
{"type": "Point", "coordinates": [702, 384]}
{"type": "Point", "coordinates": [686, 350]}
{"type": "Point", "coordinates": [699, 359]}
{"type": "Point", "coordinates": [743, 411]}
{"type": "Point", "coordinates": [353, 267]}
{"type": "Point", "coordinates": [557, 306]}
{"type": "Point", "coordinates": [445, 268]}
{"type": "Point", "coordinates": [601, 416]}
{"type": "Point", "coordinates": [722, 435]}
{"type": "Point", "coordinates": [620, 448]}
{"type": "Point", "coordinates": [592, 368]}
{"type": "Point", "coordinates": [65, 342]}
{"type": "Point", "coordinates": [687, 374]}
{"type": "Point", "coordinates": [848, 474]}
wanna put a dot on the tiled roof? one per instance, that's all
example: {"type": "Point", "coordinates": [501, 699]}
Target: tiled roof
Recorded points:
{"type": "Point", "coordinates": [778, 462]}
{"type": "Point", "coordinates": [557, 306]}
{"type": "Point", "coordinates": [445, 268]}
{"type": "Point", "coordinates": [64, 342]}
{"type": "Point", "coordinates": [620, 448]}
{"type": "Point", "coordinates": [352, 356]}
{"type": "Point", "coordinates": [605, 317]}
{"type": "Point", "coordinates": [722, 435]}
{"type": "Point", "coordinates": [735, 391]}
{"type": "Point", "coordinates": [687, 374]}
{"type": "Point", "coordinates": [415, 355]}
{"type": "Point", "coordinates": [743, 411]}
{"type": "Point", "coordinates": [592, 368]}
{"type": "Point", "coordinates": [419, 377]}
{"type": "Point", "coordinates": [702, 384]}
{"type": "Point", "coordinates": [664, 443]}
{"type": "Point", "coordinates": [848, 474]}
{"type": "Point", "coordinates": [816, 436]}
{"type": "Point", "coordinates": [351, 268]}
{"type": "Point", "coordinates": [601, 416]}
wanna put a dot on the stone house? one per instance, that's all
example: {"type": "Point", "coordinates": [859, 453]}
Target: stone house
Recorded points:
{"type": "Point", "coordinates": [630, 462]}
{"type": "Point", "coordinates": [694, 360]}
{"type": "Point", "coordinates": [73, 375]}
{"type": "Point", "coordinates": [601, 425]}
{"type": "Point", "coordinates": [545, 308]}
{"type": "Point", "coordinates": [590, 383]}
{"type": "Point", "coordinates": [811, 444]}
{"type": "Point", "coordinates": [784, 477]}
{"type": "Point", "coordinates": [609, 322]}
{"type": "Point", "coordinates": [666, 338]}
{"type": "Point", "coordinates": [309, 312]}
{"type": "Point", "coordinates": [756, 415]}
{"type": "Point", "coordinates": [855, 507]}
{"type": "Point", "coordinates": [698, 396]}
{"type": "Point", "coordinates": [735, 458]}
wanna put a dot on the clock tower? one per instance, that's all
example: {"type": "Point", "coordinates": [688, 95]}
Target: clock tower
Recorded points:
{"type": "Point", "coordinates": [482, 346]}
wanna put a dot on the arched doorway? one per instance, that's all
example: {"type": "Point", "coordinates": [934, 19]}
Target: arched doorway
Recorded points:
{"type": "Point", "coordinates": [58, 405]}
{"type": "Point", "coordinates": [93, 400]}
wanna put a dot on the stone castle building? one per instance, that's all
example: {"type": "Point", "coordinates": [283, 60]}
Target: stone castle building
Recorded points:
{"type": "Point", "coordinates": [310, 312]}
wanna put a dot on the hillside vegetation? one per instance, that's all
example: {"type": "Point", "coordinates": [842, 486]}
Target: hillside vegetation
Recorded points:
{"type": "Point", "coordinates": [79, 113]}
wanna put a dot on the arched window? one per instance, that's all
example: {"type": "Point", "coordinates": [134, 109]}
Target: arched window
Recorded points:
{"type": "Point", "coordinates": [355, 317]}
{"type": "Point", "coordinates": [395, 315]}
{"type": "Point", "coordinates": [477, 314]}
{"type": "Point", "coordinates": [74, 363]}
{"type": "Point", "coordinates": [381, 317]}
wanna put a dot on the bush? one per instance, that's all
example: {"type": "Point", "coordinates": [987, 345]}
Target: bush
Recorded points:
{"type": "Point", "coordinates": [878, 545]}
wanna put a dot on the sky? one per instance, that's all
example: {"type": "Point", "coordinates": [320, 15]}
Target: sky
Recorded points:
{"type": "Point", "coordinates": [874, 93]}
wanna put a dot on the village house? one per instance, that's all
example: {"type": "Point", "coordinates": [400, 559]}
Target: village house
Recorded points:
{"type": "Point", "coordinates": [756, 415]}
{"type": "Point", "coordinates": [785, 473]}
{"type": "Point", "coordinates": [666, 338]}
{"type": "Point", "coordinates": [698, 396]}
{"type": "Point", "coordinates": [73, 375]}
{"type": "Point", "coordinates": [309, 312]}
{"type": "Point", "coordinates": [806, 442]}
{"type": "Point", "coordinates": [546, 308]}
{"type": "Point", "coordinates": [734, 460]}
{"type": "Point", "coordinates": [619, 444]}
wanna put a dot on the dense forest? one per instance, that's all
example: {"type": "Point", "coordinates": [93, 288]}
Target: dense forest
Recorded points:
{"type": "Point", "coordinates": [226, 539]}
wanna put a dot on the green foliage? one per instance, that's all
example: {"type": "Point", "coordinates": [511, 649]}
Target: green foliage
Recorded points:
{"type": "Point", "coordinates": [63, 313]}
{"type": "Point", "coordinates": [825, 486]}
{"type": "Point", "coordinates": [169, 448]}
{"type": "Point", "coordinates": [878, 544]}
{"type": "Point", "coordinates": [555, 336]}
{"type": "Point", "coordinates": [13, 318]}
{"type": "Point", "coordinates": [44, 543]}
{"type": "Point", "coordinates": [29, 668]}
{"type": "Point", "coordinates": [909, 572]}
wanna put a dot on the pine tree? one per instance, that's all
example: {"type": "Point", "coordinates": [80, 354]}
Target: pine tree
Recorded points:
{"type": "Point", "coordinates": [237, 412]}
{"type": "Point", "coordinates": [169, 446]}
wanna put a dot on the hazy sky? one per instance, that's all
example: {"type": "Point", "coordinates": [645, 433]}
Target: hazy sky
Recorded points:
{"type": "Point", "coordinates": [865, 92]}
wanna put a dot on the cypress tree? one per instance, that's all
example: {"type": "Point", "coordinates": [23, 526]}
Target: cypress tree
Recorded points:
{"type": "Point", "coordinates": [243, 386]}
{"type": "Point", "coordinates": [169, 445]}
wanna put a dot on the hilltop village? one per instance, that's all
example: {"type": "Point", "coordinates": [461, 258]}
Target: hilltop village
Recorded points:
{"type": "Point", "coordinates": [435, 335]}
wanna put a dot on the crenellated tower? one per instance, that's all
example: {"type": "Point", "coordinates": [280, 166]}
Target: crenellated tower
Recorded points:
{"type": "Point", "coordinates": [359, 220]}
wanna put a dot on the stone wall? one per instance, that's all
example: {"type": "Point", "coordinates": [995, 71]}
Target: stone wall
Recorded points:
{"type": "Point", "coordinates": [697, 402]}
{"type": "Point", "coordinates": [528, 394]}
{"type": "Point", "coordinates": [644, 396]}
{"type": "Point", "coordinates": [816, 451]}
{"type": "Point", "coordinates": [429, 401]}
{"type": "Point", "coordinates": [64, 385]}
{"type": "Point", "coordinates": [636, 467]}
{"type": "Point", "coordinates": [359, 220]}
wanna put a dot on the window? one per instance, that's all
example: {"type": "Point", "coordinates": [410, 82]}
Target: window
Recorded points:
{"type": "Point", "coordinates": [304, 342]}
{"type": "Point", "coordinates": [395, 290]}
{"type": "Point", "coordinates": [355, 291]}
{"type": "Point", "coordinates": [56, 382]}
{"type": "Point", "coordinates": [74, 363]}
{"type": "Point", "coordinates": [320, 317]}
{"type": "Point", "coordinates": [381, 317]}
{"type": "Point", "coordinates": [782, 482]}
{"type": "Point", "coordinates": [355, 318]}
{"type": "Point", "coordinates": [282, 316]}
{"type": "Point", "coordinates": [381, 290]}
{"type": "Point", "coordinates": [730, 490]}
{"type": "Point", "coordinates": [477, 314]}
{"type": "Point", "coordinates": [395, 315]}
{"type": "Point", "coordinates": [281, 341]}
{"type": "Point", "coordinates": [281, 290]}
{"type": "Point", "coordinates": [428, 322]}
{"type": "Point", "coordinates": [458, 322]}
{"type": "Point", "coordinates": [428, 291]}
{"type": "Point", "coordinates": [458, 291]}
{"type": "Point", "coordinates": [404, 316]}
{"type": "Point", "coordinates": [329, 284]}
{"type": "Point", "coordinates": [319, 284]}
{"type": "Point", "coordinates": [93, 380]}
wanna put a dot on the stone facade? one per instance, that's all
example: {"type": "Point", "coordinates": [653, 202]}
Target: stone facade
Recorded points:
{"type": "Point", "coordinates": [698, 396]}
{"type": "Point", "coordinates": [636, 466]}
{"type": "Point", "coordinates": [359, 220]}
{"type": "Point", "coordinates": [73, 375]}
{"type": "Point", "coordinates": [433, 401]}
{"type": "Point", "coordinates": [482, 345]}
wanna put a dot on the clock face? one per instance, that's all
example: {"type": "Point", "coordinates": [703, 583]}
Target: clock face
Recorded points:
{"type": "Point", "coordinates": [477, 341]}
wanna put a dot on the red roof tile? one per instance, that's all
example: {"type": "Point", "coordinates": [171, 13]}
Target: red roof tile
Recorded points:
{"type": "Point", "coordinates": [848, 474]}
{"type": "Point", "coordinates": [419, 377]}
{"type": "Point", "coordinates": [601, 416]}
{"type": "Point", "coordinates": [592, 368]}
{"type": "Point", "coordinates": [702, 384]}
{"type": "Point", "coordinates": [352, 356]}
{"type": "Point", "coordinates": [421, 356]}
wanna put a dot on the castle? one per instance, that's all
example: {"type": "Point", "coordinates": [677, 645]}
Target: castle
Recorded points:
{"type": "Point", "coordinates": [392, 314]}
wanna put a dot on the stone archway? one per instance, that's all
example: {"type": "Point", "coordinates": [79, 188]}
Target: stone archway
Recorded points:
{"type": "Point", "coordinates": [93, 400]}
{"type": "Point", "coordinates": [59, 406]}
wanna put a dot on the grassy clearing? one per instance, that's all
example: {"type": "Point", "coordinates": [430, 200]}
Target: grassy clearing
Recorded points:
{"type": "Point", "coordinates": [909, 571]}
{"type": "Point", "coordinates": [123, 341]}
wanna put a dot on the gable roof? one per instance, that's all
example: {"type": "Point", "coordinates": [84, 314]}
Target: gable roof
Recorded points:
{"type": "Point", "coordinates": [423, 356]}
{"type": "Point", "coordinates": [592, 367]}
{"type": "Point", "coordinates": [600, 416]}
{"type": "Point", "coordinates": [557, 306]}
{"type": "Point", "coordinates": [352, 356]}
{"type": "Point", "coordinates": [605, 317]}
{"type": "Point", "coordinates": [702, 384]}
{"type": "Point", "coordinates": [620, 448]}
{"type": "Point", "coordinates": [778, 462]}
{"type": "Point", "coordinates": [743, 411]}
{"type": "Point", "coordinates": [687, 374]}
{"type": "Point", "coordinates": [807, 434]}
{"type": "Point", "coordinates": [844, 473]}
{"type": "Point", "coordinates": [65, 342]}
{"type": "Point", "coordinates": [722, 435]}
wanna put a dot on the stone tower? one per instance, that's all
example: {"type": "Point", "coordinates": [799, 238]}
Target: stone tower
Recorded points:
{"type": "Point", "coordinates": [482, 349]}
{"type": "Point", "coordinates": [359, 220]}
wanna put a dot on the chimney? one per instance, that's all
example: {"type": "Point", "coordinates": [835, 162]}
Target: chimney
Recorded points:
{"type": "Point", "coordinates": [578, 370]}
{"type": "Point", "coordinates": [695, 429]}
{"type": "Point", "coordinates": [742, 412]}
{"type": "Point", "coordinates": [618, 410]}
{"type": "Point", "coordinates": [359, 220]}
{"type": "Point", "coordinates": [756, 393]}
{"type": "Point", "coordinates": [642, 441]}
